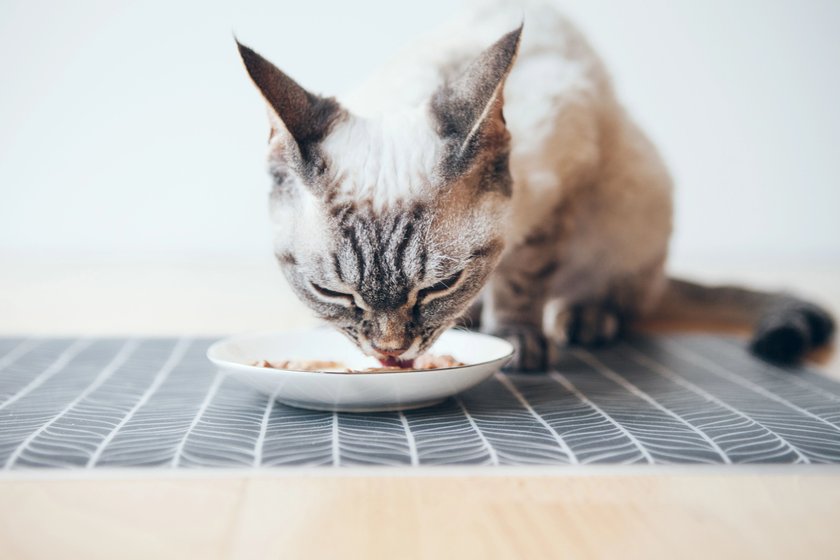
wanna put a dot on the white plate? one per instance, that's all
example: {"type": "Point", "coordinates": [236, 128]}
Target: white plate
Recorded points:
{"type": "Point", "coordinates": [355, 392]}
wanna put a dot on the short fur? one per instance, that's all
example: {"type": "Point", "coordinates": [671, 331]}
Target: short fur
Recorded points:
{"type": "Point", "coordinates": [488, 175]}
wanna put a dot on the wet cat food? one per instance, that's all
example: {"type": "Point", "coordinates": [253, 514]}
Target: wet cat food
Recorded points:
{"type": "Point", "coordinates": [427, 361]}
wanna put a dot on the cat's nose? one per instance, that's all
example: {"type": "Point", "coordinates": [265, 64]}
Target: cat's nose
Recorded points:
{"type": "Point", "coordinates": [393, 352]}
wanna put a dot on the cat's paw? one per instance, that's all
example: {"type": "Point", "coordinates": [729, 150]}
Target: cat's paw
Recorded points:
{"type": "Point", "coordinates": [530, 347]}
{"type": "Point", "coordinates": [593, 325]}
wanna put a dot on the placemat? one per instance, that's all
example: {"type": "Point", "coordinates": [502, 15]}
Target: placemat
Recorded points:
{"type": "Point", "coordinates": [151, 402]}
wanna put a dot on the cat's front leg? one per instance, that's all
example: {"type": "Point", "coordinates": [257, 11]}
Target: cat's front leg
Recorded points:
{"type": "Point", "coordinates": [513, 309]}
{"type": "Point", "coordinates": [594, 323]}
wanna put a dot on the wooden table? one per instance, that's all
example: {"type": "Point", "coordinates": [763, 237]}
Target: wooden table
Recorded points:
{"type": "Point", "coordinates": [593, 512]}
{"type": "Point", "coordinates": [601, 514]}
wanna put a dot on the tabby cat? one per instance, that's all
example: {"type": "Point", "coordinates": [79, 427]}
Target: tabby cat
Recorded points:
{"type": "Point", "coordinates": [488, 176]}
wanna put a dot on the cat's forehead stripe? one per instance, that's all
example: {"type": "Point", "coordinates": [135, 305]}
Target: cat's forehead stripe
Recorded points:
{"type": "Point", "coordinates": [381, 255]}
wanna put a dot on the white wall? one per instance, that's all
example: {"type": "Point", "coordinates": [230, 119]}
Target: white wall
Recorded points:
{"type": "Point", "coordinates": [129, 129]}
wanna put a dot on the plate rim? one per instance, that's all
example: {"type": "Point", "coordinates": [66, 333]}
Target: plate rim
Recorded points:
{"type": "Point", "coordinates": [272, 372]}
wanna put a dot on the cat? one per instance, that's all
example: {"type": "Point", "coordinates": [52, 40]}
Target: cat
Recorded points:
{"type": "Point", "coordinates": [488, 177]}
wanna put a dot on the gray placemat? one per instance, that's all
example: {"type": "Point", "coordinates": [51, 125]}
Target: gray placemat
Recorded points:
{"type": "Point", "coordinates": [77, 403]}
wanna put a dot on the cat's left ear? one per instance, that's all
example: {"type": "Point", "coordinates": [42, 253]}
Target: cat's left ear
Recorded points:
{"type": "Point", "coordinates": [303, 118]}
{"type": "Point", "coordinates": [469, 108]}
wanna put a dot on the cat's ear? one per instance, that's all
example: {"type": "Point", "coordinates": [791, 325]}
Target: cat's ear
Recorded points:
{"type": "Point", "coordinates": [470, 106]}
{"type": "Point", "coordinates": [303, 117]}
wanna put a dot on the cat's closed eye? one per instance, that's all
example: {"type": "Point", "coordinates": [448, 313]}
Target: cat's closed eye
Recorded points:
{"type": "Point", "coordinates": [440, 287]}
{"type": "Point", "coordinates": [332, 294]}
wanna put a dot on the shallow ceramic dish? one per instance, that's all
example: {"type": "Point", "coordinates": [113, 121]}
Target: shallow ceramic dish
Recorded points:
{"type": "Point", "coordinates": [355, 392]}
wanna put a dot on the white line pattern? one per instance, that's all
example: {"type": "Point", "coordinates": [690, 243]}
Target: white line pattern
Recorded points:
{"type": "Point", "coordinates": [658, 368]}
{"type": "Point", "coordinates": [51, 370]}
{"type": "Point", "coordinates": [258, 447]}
{"type": "Point", "coordinates": [524, 402]}
{"type": "Point", "coordinates": [494, 457]}
{"type": "Point", "coordinates": [746, 383]}
{"type": "Point", "coordinates": [569, 386]}
{"type": "Point", "coordinates": [177, 354]}
{"type": "Point", "coordinates": [336, 445]}
{"type": "Point", "coordinates": [599, 366]}
{"type": "Point", "coordinates": [661, 400]}
{"type": "Point", "coordinates": [211, 392]}
{"type": "Point", "coordinates": [126, 350]}
{"type": "Point", "coordinates": [779, 373]}
{"type": "Point", "coordinates": [19, 350]}
{"type": "Point", "coordinates": [412, 445]}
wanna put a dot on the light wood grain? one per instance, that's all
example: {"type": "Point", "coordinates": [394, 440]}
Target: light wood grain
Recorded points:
{"type": "Point", "coordinates": [645, 516]}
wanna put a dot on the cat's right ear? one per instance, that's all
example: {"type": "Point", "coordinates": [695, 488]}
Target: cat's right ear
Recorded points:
{"type": "Point", "coordinates": [468, 109]}
{"type": "Point", "coordinates": [303, 118]}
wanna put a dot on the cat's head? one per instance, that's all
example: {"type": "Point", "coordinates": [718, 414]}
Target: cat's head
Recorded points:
{"type": "Point", "coordinates": [388, 226]}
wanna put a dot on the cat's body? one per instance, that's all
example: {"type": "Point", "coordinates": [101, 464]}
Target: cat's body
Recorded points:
{"type": "Point", "coordinates": [591, 198]}
{"type": "Point", "coordinates": [415, 196]}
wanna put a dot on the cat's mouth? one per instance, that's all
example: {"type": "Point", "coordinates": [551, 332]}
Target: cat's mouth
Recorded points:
{"type": "Point", "coordinates": [403, 358]}
{"type": "Point", "coordinates": [390, 361]}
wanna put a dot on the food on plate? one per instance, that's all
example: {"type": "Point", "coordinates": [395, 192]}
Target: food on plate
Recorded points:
{"type": "Point", "coordinates": [430, 361]}
{"type": "Point", "coordinates": [302, 365]}
{"type": "Point", "coordinates": [426, 361]}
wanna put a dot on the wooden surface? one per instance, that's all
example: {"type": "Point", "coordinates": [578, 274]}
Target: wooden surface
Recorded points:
{"type": "Point", "coordinates": [598, 513]}
{"type": "Point", "coordinates": [349, 517]}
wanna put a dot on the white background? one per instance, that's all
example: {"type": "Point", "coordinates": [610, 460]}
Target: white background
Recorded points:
{"type": "Point", "coordinates": [130, 130]}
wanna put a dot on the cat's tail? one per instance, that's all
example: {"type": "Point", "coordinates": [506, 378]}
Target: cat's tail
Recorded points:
{"type": "Point", "coordinates": [785, 327]}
